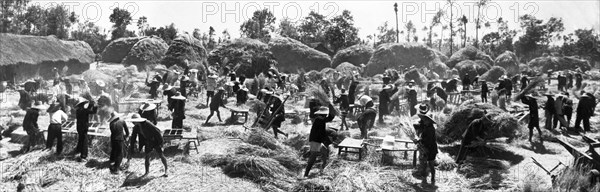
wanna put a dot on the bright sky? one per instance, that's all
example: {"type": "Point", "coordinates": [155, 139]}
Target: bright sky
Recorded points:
{"type": "Point", "coordinates": [368, 15]}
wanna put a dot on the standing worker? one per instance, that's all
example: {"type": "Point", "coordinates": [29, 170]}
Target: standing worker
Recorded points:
{"type": "Point", "coordinates": [152, 138]}
{"type": "Point", "coordinates": [585, 110]}
{"type": "Point", "coordinates": [211, 86]}
{"type": "Point", "coordinates": [178, 110]}
{"type": "Point", "coordinates": [484, 91]}
{"type": "Point", "coordinates": [278, 113]}
{"type": "Point", "coordinates": [57, 118]}
{"type": "Point", "coordinates": [549, 111]}
{"type": "Point", "coordinates": [215, 103]}
{"type": "Point", "coordinates": [117, 141]}
{"type": "Point", "coordinates": [84, 109]}
{"type": "Point", "coordinates": [344, 106]}
{"type": "Point", "coordinates": [367, 118]}
{"type": "Point", "coordinates": [427, 140]}
{"type": "Point", "coordinates": [534, 117]}
{"type": "Point", "coordinates": [30, 125]}
{"type": "Point", "coordinates": [318, 139]}
{"type": "Point", "coordinates": [148, 111]}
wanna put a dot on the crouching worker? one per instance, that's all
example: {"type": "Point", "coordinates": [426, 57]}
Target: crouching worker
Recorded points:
{"type": "Point", "coordinates": [367, 118]}
{"type": "Point", "coordinates": [318, 138]}
{"type": "Point", "coordinates": [153, 140]}
{"type": "Point", "coordinates": [427, 145]}
{"type": "Point", "coordinates": [475, 132]}
{"type": "Point", "coordinates": [117, 141]}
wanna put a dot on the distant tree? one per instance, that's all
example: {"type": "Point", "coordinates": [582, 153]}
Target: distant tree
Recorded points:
{"type": "Point", "coordinates": [442, 37]}
{"type": "Point", "coordinates": [58, 21]}
{"type": "Point", "coordinates": [312, 28]}
{"type": "Point", "coordinates": [451, 2]}
{"type": "Point", "coordinates": [10, 11]}
{"type": "Point", "coordinates": [142, 25]}
{"type": "Point", "coordinates": [287, 28]}
{"type": "Point", "coordinates": [386, 34]}
{"type": "Point", "coordinates": [90, 33]}
{"type": "Point", "coordinates": [226, 35]}
{"type": "Point", "coordinates": [34, 21]}
{"type": "Point", "coordinates": [537, 35]}
{"type": "Point", "coordinates": [583, 43]}
{"type": "Point", "coordinates": [464, 22]}
{"type": "Point", "coordinates": [259, 26]}
{"type": "Point", "coordinates": [167, 33]}
{"type": "Point", "coordinates": [121, 19]}
{"type": "Point", "coordinates": [480, 4]}
{"type": "Point", "coordinates": [435, 21]}
{"type": "Point", "coordinates": [410, 27]}
{"type": "Point", "coordinates": [211, 44]}
{"type": "Point", "coordinates": [197, 34]}
{"type": "Point", "coordinates": [342, 33]}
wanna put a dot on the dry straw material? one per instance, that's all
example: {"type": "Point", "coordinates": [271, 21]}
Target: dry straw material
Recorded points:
{"type": "Point", "coordinates": [545, 63]}
{"type": "Point", "coordinates": [402, 56]}
{"type": "Point", "coordinates": [469, 53]}
{"type": "Point", "coordinates": [293, 55]}
{"type": "Point", "coordinates": [244, 55]}
{"type": "Point", "coordinates": [149, 50]}
{"type": "Point", "coordinates": [355, 55]}
{"type": "Point", "coordinates": [508, 60]}
{"type": "Point", "coordinates": [493, 74]}
{"type": "Point", "coordinates": [118, 49]}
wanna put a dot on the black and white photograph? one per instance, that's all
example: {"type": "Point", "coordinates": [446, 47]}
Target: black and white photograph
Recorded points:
{"type": "Point", "coordinates": [300, 96]}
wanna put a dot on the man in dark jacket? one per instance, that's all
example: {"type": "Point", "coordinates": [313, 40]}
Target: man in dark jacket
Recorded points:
{"type": "Point", "coordinates": [117, 141]}
{"type": "Point", "coordinates": [30, 125]}
{"type": "Point", "coordinates": [569, 80]}
{"type": "Point", "coordinates": [178, 110]}
{"type": "Point", "coordinates": [411, 97]}
{"type": "Point", "coordinates": [427, 142]}
{"type": "Point", "coordinates": [585, 110]}
{"type": "Point", "coordinates": [508, 85]}
{"type": "Point", "coordinates": [366, 119]}
{"type": "Point", "coordinates": [154, 84]}
{"type": "Point", "coordinates": [183, 84]}
{"type": "Point", "coordinates": [475, 132]}
{"type": "Point", "coordinates": [278, 113]}
{"type": "Point", "coordinates": [152, 138]}
{"type": "Point", "coordinates": [241, 95]}
{"type": "Point", "coordinates": [384, 101]}
{"type": "Point", "coordinates": [534, 118]}
{"type": "Point", "coordinates": [215, 103]}
{"type": "Point", "coordinates": [549, 111]}
{"type": "Point", "coordinates": [84, 109]}
{"type": "Point", "coordinates": [169, 91]}
{"type": "Point", "coordinates": [484, 91]}
{"type": "Point", "coordinates": [466, 82]}
{"type": "Point", "coordinates": [524, 81]}
{"type": "Point", "coordinates": [562, 82]}
{"type": "Point", "coordinates": [578, 80]}
{"type": "Point", "coordinates": [344, 106]}
{"type": "Point", "coordinates": [149, 111]}
{"type": "Point", "coordinates": [318, 137]}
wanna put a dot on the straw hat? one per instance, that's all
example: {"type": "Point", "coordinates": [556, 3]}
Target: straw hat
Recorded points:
{"type": "Point", "coordinates": [423, 108]}
{"type": "Point", "coordinates": [193, 70]}
{"type": "Point", "coordinates": [213, 76]}
{"type": "Point", "coordinates": [244, 88]}
{"type": "Point", "coordinates": [425, 117]}
{"type": "Point", "coordinates": [100, 83]}
{"type": "Point", "coordinates": [363, 100]}
{"type": "Point", "coordinates": [54, 107]}
{"type": "Point", "coordinates": [81, 100]}
{"type": "Point", "coordinates": [387, 87]}
{"type": "Point", "coordinates": [38, 105]}
{"type": "Point", "coordinates": [411, 81]}
{"type": "Point", "coordinates": [322, 111]}
{"type": "Point", "coordinates": [147, 106]}
{"type": "Point", "coordinates": [114, 116]}
{"type": "Point", "coordinates": [185, 78]}
{"type": "Point", "coordinates": [136, 118]}
{"type": "Point", "coordinates": [168, 87]}
{"type": "Point", "coordinates": [221, 89]}
{"type": "Point", "coordinates": [178, 96]}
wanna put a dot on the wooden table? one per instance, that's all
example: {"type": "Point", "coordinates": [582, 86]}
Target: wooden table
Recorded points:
{"type": "Point", "coordinates": [180, 134]}
{"type": "Point", "coordinates": [404, 145]}
{"type": "Point", "coordinates": [357, 144]}
{"type": "Point", "coordinates": [236, 112]}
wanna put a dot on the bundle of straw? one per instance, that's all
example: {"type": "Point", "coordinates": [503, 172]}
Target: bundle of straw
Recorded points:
{"type": "Point", "coordinates": [533, 83]}
{"type": "Point", "coordinates": [317, 92]}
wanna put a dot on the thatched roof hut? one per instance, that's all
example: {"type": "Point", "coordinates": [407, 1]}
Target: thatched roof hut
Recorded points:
{"type": "Point", "coordinates": [186, 47]}
{"type": "Point", "coordinates": [543, 64]}
{"type": "Point", "coordinates": [24, 56]}
{"type": "Point", "coordinates": [469, 53]}
{"type": "Point", "coordinates": [148, 50]}
{"type": "Point", "coordinates": [292, 55]}
{"type": "Point", "coordinates": [356, 55]}
{"type": "Point", "coordinates": [118, 49]}
{"type": "Point", "coordinates": [246, 56]}
{"type": "Point", "coordinates": [403, 56]}
{"type": "Point", "coordinates": [508, 60]}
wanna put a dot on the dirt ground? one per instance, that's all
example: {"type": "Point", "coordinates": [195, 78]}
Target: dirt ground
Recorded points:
{"type": "Point", "coordinates": [186, 172]}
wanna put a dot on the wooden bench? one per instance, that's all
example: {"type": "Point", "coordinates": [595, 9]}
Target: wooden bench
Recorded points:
{"type": "Point", "coordinates": [180, 134]}
{"type": "Point", "coordinates": [239, 113]}
{"type": "Point", "coordinates": [402, 145]}
{"type": "Point", "coordinates": [357, 144]}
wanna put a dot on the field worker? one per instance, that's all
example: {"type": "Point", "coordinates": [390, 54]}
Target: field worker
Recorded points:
{"type": "Point", "coordinates": [232, 76]}
{"type": "Point", "coordinates": [278, 113]}
{"type": "Point", "coordinates": [215, 103]}
{"type": "Point", "coordinates": [318, 137]}
{"type": "Point", "coordinates": [352, 92]}
{"type": "Point", "coordinates": [68, 85]}
{"type": "Point", "coordinates": [152, 138]}
{"type": "Point", "coordinates": [484, 91]}
{"type": "Point", "coordinates": [242, 79]}
{"type": "Point", "coordinates": [475, 132]}
{"type": "Point", "coordinates": [384, 102]}
{"type": "Point", "coordinates": [549, 77]}
{"type": "Point", "coordinates": [104, 107]}
{"type": "Point", "coordinates": [578, 80]}
{"type": "Point", "coordinates": [57, 118]}
{"type": "Point", "coordinates": [183, 85]}
{"type": "Point", "coordinates": [559, 115]}
{"type": "Point", "coordinates": [508, 85]}
{"type": "Point", "coordinates": [466, 82]}
{"type": "Point", "coordinates": [534, 118]}
{"type": "Point", "coordinates": [568, 108]}
{"type": "Point", "coordinates": [242, 95]}
{"type": "Point", "coordinates": [428, 145]}
{"type": "Point", "coordinates": [502, 99]}
{"type": "Point", "coordinates": [562, 81]}
{"type": "Point", "coordinates": [569, 80]}
{"type": "Point", "coordinates": [367, 118]}
{"type": "Point", "coordinates": [149, 112]}
{"type": "Point", "coordinates": [524, 81]}
{"type": "Point", "coordinates": [236, 86]}
{"type": "Point", "coordinates": [386, 80]}
{"type": "Point", "coordinates": [84, 109]}
{"type": "Point", "coordinates": [394, 101]}
{"type": "Point", "coordinates": [30, 125]}
{"type": "Point", "coordinates": [154, 84]}
{"type": "Point", "coordinates": [344, 106]}
{"type": "Point", "coordinates": [281, 82]}
{"type": "Point", "coordinates": [178, 110]}
{"type": "Point", "coordinates": [211, 86]}
{"type": "Point", "coordinates": [585, 110]}
{"type": "Point", "coordinates": [117, 141]}
{"type": "Point", "coordinates": [169, 91]}
{"type": "Point", "coordinates": [549, 111]}
{"type": "Point", "coordinates": [411, 97]}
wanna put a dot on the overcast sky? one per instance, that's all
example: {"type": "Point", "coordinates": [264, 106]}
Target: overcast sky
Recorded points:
{"type": "Point", "coordinates": [368, 15]}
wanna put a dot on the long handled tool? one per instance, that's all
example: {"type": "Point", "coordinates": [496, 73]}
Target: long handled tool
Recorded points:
{"type": "Point", "coordinates": [272, 118]}
{"type": "Point", "coordinates": [549, 172]}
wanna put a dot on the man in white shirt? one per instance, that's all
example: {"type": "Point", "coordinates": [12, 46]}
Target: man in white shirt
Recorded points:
{"type": "Point", "coordinates": [57, 118]}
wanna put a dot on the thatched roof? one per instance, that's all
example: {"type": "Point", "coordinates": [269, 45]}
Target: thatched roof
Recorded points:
{"type": "Point", "coordinates": [149, 50]}
{"type": "Point", "coordinates": [247, 56]}
{"type": "Point", "coordinates": [402, 56]}
{"type": "Point", "coordinates": [19, 49]}
{"type": "Point", "coordinates": [473, 68]}
{"type": "Point", "coordinates": [469, 53]}
{"type": "Point", "coordinates": [186, 47]}
{"type": "Point", "coordinates": [292, 55]}
{"type": "Point", "coordinates": [508, 60]}
{"type": "Point", "coordinates": [543, 64]}
{"type": "Point", "coordinates": [118, 49]}
{"type": "Point", "coordinates": [356, 54]}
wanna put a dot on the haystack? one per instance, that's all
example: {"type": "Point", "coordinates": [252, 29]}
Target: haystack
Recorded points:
{"type": "Point", "coordinates": [469, 53]}
{"type": "Point", "coordinates": [508, 60]}
{"type": "Point", "coordinates": [543, 64]}
{"type": "Point", "coordinates": [292, 55]}
{"type": "Point", "coordinates": [504, 124]}
{"type": "Point", "coordinates": [493, 74]}
{"type": "Point", "coordinates": [414, 74]}
{"type": "Point", "coordinates": [347, 69]}
{"type": "Point", "coordinates": [150, 50]}
{"type": "Point", "coordinates": [441, 55]}
{"type": "Point", "coordinates": [118, 49]}
{"type": "Point", "coordinates": [473, 68]}
{"type": "Point", "coordinates": [356, 55]}
{"type": "Point", "coordinates": [246, 56]}
{"type": "Point", "coordinates": [402, 56]}
{"type": "Point", "coordinates": [185, 47]}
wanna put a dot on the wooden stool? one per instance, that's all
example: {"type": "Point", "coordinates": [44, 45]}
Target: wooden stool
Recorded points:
{"type": "Point", "coordinates": [193, 141]}
{"type": "Point", "coordinates": [240, 113]}
{"type": "Point", "coordinates": [357, 144]}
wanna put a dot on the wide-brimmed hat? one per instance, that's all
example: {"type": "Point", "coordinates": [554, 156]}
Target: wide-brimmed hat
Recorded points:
{"type": "Point", "coordinates": [587, 94]}
{"type": "Point", "coordinates": [136, 118]}
{"type": "Point", "coordinates": [100, 83]}
{"type": "Point", "coordinates": [363, 100]}
{"type": "Point", "coordinates": [185, 78]}
{"type": "Point", "coordinates": [193, 70]}
{"type": "Point", "coordinates": [81, 101]}
{"type": "Point", "coordinates": [38, 105]}
{"type": "Point", "coordinates": [147, 106]}
{"type": "Point", "coordinates": [423, 108]}
{"type": "Point", "coordinates": [412, 81]}
{"type": "Point", "coordinates": [114, 116]}
{"type": "Point", "coordinates": [426, 117]}
{"type": "Point", "coordinates": [244, 88]}
{"type": "Point", "coordinates": [322, 111]}
{"type": "Point", "coordinates": [387, 87]}
{"type": "Point", "coordinates": [54, 107]}
{"type": "Point", "coordinates": [213, 76]}
{"type": "Point", "coordinates": [168, 87]}
{"type": "Point", "coordinates": [178, 96]}
{"type": "Point", "coordinates": [221, 89]}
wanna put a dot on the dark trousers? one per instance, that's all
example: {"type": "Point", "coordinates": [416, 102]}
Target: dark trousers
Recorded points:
{"type": "Point", "coordinates": [560, 119]}
{"type": "Point", "coordinates": [484, 97]}
{"type": "Point", "coordinates": [33, 135]}
{"type": "Point", "coordinates": [116, 154]}
{"type": "Point", "coordinates": [55, 132]}
{"type": "Point", "coordinates": [177, 122]}
{"type": "Point", "coordinates": [82, 142]}
{"type": "Point", "coordinates": [549, 120]}
{"type": "Point", "coordinates": [586, 122]}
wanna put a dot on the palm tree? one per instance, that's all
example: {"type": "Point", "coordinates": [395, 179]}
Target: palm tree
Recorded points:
{"type": "Point", "coordinates": [434, 22]}
{"type": "Point", "coordinates": [451, 27]}
{"type": "Point", "coordinates": [442, 37]}
{"type": "Point", "coordinates": [480, 4]}
{"type": "Point", "coordinates": [409, 28]}
{"type": "Point", "coordinates": [464, 20]}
